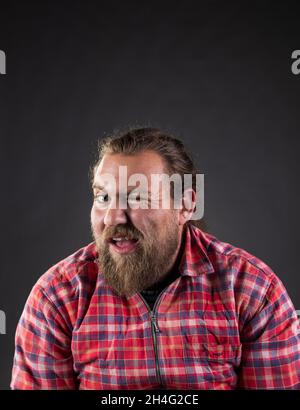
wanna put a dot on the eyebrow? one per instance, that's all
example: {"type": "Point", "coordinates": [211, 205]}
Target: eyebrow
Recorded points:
{"type": "Point", "coordinates": [97, 186]}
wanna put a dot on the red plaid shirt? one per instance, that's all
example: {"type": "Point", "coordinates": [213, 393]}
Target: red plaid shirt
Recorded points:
{"type": "Point", "coordinates": [226, 322]}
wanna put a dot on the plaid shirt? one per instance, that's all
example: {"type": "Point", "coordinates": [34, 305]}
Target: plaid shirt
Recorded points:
{"type": "Point", "coordinates": [226, 322]}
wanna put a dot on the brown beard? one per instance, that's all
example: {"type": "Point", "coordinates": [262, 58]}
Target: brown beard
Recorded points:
{"type": "Point", "coordinates": [145, 266]}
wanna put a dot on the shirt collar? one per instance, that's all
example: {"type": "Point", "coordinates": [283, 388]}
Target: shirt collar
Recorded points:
{"type": "Point", "coordinates": [195, 260]}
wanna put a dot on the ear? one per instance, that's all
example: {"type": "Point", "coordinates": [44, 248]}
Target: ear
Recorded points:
{"type": "Point", "coordinates": [187, 206]}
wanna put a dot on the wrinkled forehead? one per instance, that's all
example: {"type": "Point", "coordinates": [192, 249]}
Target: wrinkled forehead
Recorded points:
{"type": "Point", "coordinates": [146, 163]}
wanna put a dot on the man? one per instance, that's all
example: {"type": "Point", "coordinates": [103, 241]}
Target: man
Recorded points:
{"type": "Point", "coordinates": [154, 302]}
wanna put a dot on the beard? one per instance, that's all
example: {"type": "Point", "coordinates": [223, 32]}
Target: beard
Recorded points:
{"type": "Point", "coordinates": [146, 265]}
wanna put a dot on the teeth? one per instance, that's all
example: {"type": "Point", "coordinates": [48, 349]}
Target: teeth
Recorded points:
{"type": "Point", "coordinates": [124, 238]}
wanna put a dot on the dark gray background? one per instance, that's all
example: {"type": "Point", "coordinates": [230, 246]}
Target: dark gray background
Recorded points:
{"type": "Point", "coordinates": [217, 74]}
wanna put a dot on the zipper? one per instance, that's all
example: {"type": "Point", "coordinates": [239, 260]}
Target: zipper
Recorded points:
{"type": "Point", "coordinates": [154, 329]}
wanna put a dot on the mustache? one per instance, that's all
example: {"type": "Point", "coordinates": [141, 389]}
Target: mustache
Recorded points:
{"type": "Point", "coordinates": [125, 230]}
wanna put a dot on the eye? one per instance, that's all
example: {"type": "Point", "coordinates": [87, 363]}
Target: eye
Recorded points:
{"type": "Point", "coordinates": [137, 199]}
{"type": "Point", "coordinates": [102, 198]}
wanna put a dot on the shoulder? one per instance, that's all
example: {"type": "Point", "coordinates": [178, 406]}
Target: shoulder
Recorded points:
{"type": "Point", "coordinates": [242, 279]}
{"type": "Point", "coordinates": [69, 276]}
{"type": "Point", "coordinates": [233, 264]}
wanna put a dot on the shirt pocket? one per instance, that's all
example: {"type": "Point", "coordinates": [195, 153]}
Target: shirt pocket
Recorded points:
{"type": "Point", "coordinates": [213, 351]}
{"type": "Point", "coordinates": [211, 365]}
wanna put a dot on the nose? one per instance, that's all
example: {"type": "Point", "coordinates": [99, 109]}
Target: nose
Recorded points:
{"type": "Point", "coordinates": [114, 216]}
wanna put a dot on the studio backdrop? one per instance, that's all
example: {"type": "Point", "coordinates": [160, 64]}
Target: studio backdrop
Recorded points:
{"type": "Point", "coordinates": [222, 76]}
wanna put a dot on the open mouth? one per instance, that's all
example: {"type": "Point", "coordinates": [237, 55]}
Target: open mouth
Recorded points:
{"type": "Point", "coordinates": [123, 244]}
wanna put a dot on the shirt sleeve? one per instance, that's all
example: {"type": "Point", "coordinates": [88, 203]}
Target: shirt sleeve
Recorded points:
{"type": "Point", "coordinates": [271, 344]}
{"type": "Point", "coordinates": [43, 357]}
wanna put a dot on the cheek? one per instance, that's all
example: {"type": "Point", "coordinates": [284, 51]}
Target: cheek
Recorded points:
{"type": "Point", "coordinates": [166, 224]}
{"type": "Point", "coordinates": [97, 220]}
{"type": "Point", "coordinates": [150, 221]}
{"type": "Point", "coordinates": [143, 217]}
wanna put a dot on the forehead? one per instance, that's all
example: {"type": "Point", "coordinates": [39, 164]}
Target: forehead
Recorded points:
{"type": "Point", "coordinates": [146, 163]}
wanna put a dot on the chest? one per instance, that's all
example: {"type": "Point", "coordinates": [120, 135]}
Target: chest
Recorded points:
{"type": "Point", "coordinates": [189, 340]}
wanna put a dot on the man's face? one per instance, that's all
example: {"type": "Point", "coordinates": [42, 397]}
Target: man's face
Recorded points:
{"type": "Point", "coordinates": [136, 247]}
